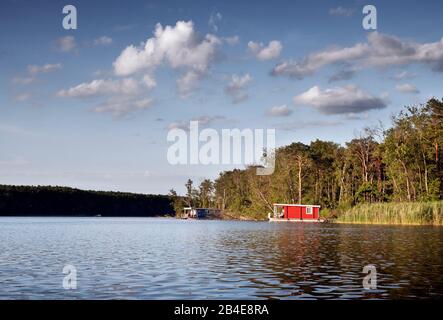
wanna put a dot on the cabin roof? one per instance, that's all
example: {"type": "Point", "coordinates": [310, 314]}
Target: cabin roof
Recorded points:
{"type": "Point", "coordinates": [295, 205]}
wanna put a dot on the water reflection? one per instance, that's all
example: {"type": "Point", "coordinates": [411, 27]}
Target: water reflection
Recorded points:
{"type": "Point", "coordinates": [176, 259]}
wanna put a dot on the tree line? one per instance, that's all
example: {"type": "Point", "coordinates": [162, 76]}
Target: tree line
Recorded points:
{"type": "Point", "coordinates": [399, 164]}
{"type": "Point", "coordinates": [64, 201]}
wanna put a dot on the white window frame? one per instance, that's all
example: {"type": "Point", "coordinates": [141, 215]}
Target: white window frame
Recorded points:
{"type": "Point", "coordinates": [309, 210]}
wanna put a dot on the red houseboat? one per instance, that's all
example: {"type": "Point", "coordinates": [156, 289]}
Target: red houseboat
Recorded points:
{"type": "Point", "coordinates": [295, 212]}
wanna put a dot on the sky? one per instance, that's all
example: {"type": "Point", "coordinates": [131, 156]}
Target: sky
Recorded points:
{"type": "Point", "coordinates": [91, 107]}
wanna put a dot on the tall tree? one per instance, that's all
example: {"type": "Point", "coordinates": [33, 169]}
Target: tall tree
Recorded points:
{"type": "Point", "coordinates": [206, 190]}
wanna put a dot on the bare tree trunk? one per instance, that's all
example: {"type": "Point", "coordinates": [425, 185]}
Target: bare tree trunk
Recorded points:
{"type": "Point", "coordinates": [342, 183]}
{"type": "Point", "coordinates": [425, 164]}
{"type": "Point", "coordinates": [426, 175]}
{"type": "Point", "coordinates": [291, 187]}
{"type": "Point", "coordinates": [262, 196]}
{"type": "Point", "coordinates": [316, 191]}
{"type": "Point", "coordinates": [408, 188]}
{"type": "Point", "coordinates": [299, 181]}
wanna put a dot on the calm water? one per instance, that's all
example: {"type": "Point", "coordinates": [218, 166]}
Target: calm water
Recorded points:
{"type": "Point", "coordinates": [135, 258]}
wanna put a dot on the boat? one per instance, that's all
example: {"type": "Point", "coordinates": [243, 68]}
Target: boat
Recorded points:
{"type": "Point", "coordinates": [295, 213]}
{"type": "Point", "coordinates": [199, 213]}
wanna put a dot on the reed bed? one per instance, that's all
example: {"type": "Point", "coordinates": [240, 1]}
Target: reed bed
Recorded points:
{"type": "Point", "coordinates": [405, 213]}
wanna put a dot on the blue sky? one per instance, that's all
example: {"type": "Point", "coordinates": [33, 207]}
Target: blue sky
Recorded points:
{"type": "Point", "coordinates": [90, 108]}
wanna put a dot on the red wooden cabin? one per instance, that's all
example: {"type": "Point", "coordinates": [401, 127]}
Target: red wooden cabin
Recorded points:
{"type": "Point", "coordinates": [296, 212]}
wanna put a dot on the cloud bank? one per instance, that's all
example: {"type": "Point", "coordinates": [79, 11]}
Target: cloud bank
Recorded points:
{"type": "Point", "coordinates": [380, 50]}
{"type": "Point", "coordinates": [339, 100]}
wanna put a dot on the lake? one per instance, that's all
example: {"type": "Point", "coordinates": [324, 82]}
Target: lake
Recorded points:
{"type": "Point", "coordinates": [160, 258]}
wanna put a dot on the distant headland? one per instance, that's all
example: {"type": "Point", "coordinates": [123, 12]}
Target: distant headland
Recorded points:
{"type": "Point", "coordinates": [64, 201]}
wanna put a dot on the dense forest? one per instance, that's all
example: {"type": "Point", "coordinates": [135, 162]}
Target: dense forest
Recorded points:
{"type": "Point", "coordinates": [399, 164]}
{"type": "Point", "coordinates": [63, 201]}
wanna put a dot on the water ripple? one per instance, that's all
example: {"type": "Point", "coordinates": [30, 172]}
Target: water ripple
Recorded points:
{"type": "Point", "coordinates": [135, 258]}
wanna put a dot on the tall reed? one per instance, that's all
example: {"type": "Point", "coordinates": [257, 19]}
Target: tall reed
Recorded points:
{"type": "Point", "coordinates": [408, 213]}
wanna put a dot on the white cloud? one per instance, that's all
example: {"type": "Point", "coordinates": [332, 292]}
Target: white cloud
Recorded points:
{"type": "Point", "coordinates": [340, 11]}
{"type": "Point", "coordinates": [178, 125]}
{"type": "Point", "coordinates": [407, 88]}
{"type": "Point", "coordinates": [149, 81]}
{"type": "Point", "coordinates": [214, 19]}
{"type": "Point", "coordinates": [236, 87]}
{"type": "Point", "coordinates": [379, 51]}
{"type": "Point", "coordinates": [239, 82]}
{"type": "Point", "coordinates": [203, 121]}
{"type": "Point", "coordinates": [188, 82]}
{"type": "Point", "coordinates": [269, 52]}
{"type": "Point", "coordinates": [124, 96]}
{"type": "Point", "coordinates": [404, 75]}
{"type": "Point", "coordinates": [119, 107]}
{"type": "Point", "coordinates": [279, 111]}
{"type": "Point", "coordinates": [127, 86]}
{"type": "Point", "coordinates": [100, 73]}
{"type": "Point", "coordinates": [36, 69]}
{"type": "Point", "coordinates": [66, 44]}
{"type": "Point", "coordinates": [178, 46]}
{"type": "Point", "coordinates": [103, 41]}
{"type": "Point", "coordinates": [340, 100]}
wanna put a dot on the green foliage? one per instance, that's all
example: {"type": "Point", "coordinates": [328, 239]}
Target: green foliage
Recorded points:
{"type": "Point", "coordinates": [412, 153]}
{"type": "Point", "coordinates": [365, 191]}
{"type": "Point", "coordinates": [203, 196]}
{"type": "Point", "coordinates": [177, 203]}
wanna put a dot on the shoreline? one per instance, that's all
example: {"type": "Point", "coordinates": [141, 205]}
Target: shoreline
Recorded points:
{"type": "Point", "coordinates": [242, 219]}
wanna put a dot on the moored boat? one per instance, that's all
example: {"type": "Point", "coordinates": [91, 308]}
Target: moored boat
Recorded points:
{"type": "Point", "coordinates": [200, 213]}
{"type": "Point", "coordinates": [295, 213]}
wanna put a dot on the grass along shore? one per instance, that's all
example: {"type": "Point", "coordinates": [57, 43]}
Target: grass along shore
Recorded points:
{"type": "Point", "coordinates": [403, 213]}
